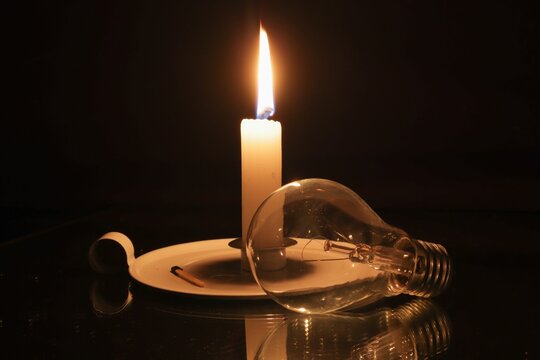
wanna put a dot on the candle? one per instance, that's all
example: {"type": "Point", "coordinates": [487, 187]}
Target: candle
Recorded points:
{"type": "Point", "coordinates": [261, 148]}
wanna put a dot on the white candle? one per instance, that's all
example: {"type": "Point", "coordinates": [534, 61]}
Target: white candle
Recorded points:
{"type": "Point", "coordinates": [261, 147]}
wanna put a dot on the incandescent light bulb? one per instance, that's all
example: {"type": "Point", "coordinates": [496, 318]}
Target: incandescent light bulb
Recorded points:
{"type": "Point", "coordinates": [315, 246]}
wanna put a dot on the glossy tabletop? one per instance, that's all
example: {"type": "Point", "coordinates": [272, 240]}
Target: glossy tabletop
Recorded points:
{"type": "Point", "coordinates": [52, 305]}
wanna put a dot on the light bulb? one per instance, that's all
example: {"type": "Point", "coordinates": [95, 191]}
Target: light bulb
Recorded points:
{"type": "Point", "coordinates": [315, 246]}
{"type": "Point", "coordinates": [416, 330]}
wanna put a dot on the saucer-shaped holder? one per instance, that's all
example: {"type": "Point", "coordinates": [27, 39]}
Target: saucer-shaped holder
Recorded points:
{"type": "Point", "coordinates": [214, 262]}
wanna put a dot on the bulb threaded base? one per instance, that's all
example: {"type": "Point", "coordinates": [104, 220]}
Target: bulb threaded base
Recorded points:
{"type": "Point", "coordinates": [432, 272]}
{"type": "Point", "coordinates": [428, 326]}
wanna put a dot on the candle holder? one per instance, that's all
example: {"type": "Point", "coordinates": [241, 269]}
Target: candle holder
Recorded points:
{"type": "Point", "coordinates": [209, 268]}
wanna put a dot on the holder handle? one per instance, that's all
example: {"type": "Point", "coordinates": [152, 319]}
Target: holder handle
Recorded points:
{"type": "Point", "coordinates": [98, 264]}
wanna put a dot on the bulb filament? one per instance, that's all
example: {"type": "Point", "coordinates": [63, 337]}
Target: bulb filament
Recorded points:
{"type": "Point", "coordinates": [382, 258]}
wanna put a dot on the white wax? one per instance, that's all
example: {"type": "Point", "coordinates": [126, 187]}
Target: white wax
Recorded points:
{"type": "Point", "coordinates": [261, 168]}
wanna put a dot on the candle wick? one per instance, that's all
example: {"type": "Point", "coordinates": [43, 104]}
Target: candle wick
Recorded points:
{"type": "Point", "coordinates": [267, 112]}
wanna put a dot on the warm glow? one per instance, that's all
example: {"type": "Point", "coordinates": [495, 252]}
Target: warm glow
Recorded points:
{"type": "Point", "coordinates": [265, 103]}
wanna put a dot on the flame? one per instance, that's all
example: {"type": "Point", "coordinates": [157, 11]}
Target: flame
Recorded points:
{"type": "Point", "coordinates": [265, 103]}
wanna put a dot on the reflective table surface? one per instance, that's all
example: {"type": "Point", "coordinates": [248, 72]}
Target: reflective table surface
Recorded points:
{"type": "Point", "coordinates": [52, 305]}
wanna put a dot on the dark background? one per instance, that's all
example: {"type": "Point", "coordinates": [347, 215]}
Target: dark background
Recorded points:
{"type": "Point", "coordinates": [125, 116]}
{"type": "Point", "coordinates": [413, 104]}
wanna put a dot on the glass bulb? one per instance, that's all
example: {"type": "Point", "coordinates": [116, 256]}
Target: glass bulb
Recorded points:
{"type": "Point", "coordinates": [417, 330]}
{"type": "Point", "coordinates": [315, 246]}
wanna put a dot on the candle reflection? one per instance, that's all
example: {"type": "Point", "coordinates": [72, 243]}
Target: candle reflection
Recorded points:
{"type": "Point", "coordinates": [264, 330]}
{"type": "Point", "coordinates": [195, 328]}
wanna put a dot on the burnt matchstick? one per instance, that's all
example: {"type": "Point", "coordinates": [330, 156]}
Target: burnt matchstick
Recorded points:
{"type": "Point", "coordinates": [181, 273]}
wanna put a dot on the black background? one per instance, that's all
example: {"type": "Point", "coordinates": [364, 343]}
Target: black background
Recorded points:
{"type": "Point", "coordinates": [413, 104]}
{"type": "Point", "coordinates": [129, 111]}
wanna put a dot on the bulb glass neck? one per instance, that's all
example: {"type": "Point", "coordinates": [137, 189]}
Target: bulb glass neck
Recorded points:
{"type": "Point", "coordinates": [417, 267]}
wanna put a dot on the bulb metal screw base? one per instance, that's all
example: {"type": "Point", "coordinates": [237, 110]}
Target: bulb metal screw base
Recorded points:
{"type": "Point", "coordinates": [432, 272]}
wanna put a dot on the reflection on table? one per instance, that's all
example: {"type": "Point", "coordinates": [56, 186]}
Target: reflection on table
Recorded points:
{"type": "Point", "coordinates": [419, 329]}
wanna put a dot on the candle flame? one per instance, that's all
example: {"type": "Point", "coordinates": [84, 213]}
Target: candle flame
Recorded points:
{"type": "Point", "coordinates": [265, 103]}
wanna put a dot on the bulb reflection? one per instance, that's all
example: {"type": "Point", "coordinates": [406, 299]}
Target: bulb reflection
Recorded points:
{"type": "Point", "coordinates": [264, 330]}
{"type": "Point", "coordinates": [416, 330]}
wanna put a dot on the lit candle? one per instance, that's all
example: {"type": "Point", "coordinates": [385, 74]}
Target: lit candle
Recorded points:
{"type": "Point", "coordinates": [261, 147]}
